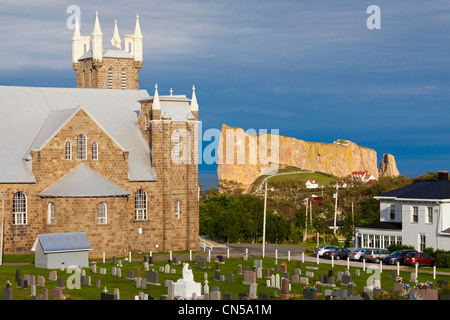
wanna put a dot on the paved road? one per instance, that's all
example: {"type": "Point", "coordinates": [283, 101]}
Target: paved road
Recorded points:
{"type": "Point", "coordinates": [282, 251]}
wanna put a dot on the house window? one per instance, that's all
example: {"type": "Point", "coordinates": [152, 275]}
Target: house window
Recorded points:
{"type": "Point", "coordinates": [19, 208]}
{"type": "Point", "coordinates": [81, 147]}
{"type": "Point", "coordinates": [102, 213]}
{"type": "Point", "coordinates": [422, 242]}
{"type": "Point", "coordinates": [68, 151]}
{"type": "Point", "coordinates": [415, 214]}
{"type": "Point", "coordinates": [377, 241]}
{"type": "Point", "coordinates": [392, 212]}
{"type": "Point", "coordinates": [51, 213]}
{"type": "Point", "coordinates": [429, 215]}
{"type": "Point", "coordinates": [110, 79]}
{"type": "Point", "coordinates": [140, 204]}
{"type": "Point", "coordinates": [124, 79]}
{"type": "Point", "coordinates": [94, 151]}
{"type": "Point", "coordinates": [177, 209]}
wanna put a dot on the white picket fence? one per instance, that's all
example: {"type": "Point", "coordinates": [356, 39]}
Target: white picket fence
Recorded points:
{"type": "Point", "coordinates": [206, 245]}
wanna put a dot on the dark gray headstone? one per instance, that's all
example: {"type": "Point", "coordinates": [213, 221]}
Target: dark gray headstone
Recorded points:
{"type": "Point", "coordinates": [263, 296]}
{"type": "Point", "coordinates": [7, 294]}
{"type": "Point", "coordinates": [227, 296]}
{"type": "Point", "coordinates": [107, 296]}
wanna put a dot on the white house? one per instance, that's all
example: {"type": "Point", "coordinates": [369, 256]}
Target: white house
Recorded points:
{"type": "Point", "coordinates": [417, 215]}
{"type": "Point", "coordinates": [312, 184]}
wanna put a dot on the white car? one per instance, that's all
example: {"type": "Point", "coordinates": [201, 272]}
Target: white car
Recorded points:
{"type": "Point", "coordinates": [321, 249]}
{"type": "Point", "coordinates": [357, 254]}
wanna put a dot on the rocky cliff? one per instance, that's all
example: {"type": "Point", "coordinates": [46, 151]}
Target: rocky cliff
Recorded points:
{"type": "Point", "coordinates": [244, 156]}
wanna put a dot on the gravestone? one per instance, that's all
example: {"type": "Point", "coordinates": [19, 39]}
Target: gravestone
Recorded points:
{"type": "Point", "coordinates": [285, 295]}
{"type": "Point", "coordinates": [57, 294]}
{"type": "Point", "coordinates": [398, 287]}
{"type": "Point", "coordinates": [227, 296]}
{"type": "Point", "coordinates": [253, 291]}
{"type": "Point", "coordinates": [52, 275]}
{"type": "Point", "coordinates": [130, 275]}
{"type": "Point", "coordinates": [214, 295]}
{"type": "Point", "coordinates": [258, 264]}
{"type": "Point", "coordinates": [60, 283]}
{"type": "Point", "coordinates": [346, 279]}
{"type": "Point", "coordinates": [295, 278]}
{"type": "Point", "coordinates": [41, 281]}
{"type": "Point", "coordinates": [153, 278]}
{"type": "Point", "coordinates": [249, 277]}
{"type": "Point", "coordinates": [242, 296]}
{"type": "Point", "coordinates": [239, 269]}
{"type": "Point", "coordinates": [263, 296]}
{"type": "Point", "coordinates": [17, 274]}
{"type": "Point", "coordinates": [309, 274]}
{"type": "Point", "coordinates": [44, 294]}
{"type": "Point", "coordinates": [106, 296]}
{"type": "Point", "coordinates": [304, 280]}
{"type": "Point", "coordinates": [230, 277]}
{"type": "Point", "coordinates": [7, 293]}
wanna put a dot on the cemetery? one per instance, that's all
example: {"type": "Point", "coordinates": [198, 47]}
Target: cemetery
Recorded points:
{"type": "Point", "coordinates": [206, 276]}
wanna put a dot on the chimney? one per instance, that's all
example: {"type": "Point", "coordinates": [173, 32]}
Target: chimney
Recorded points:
{"type": "Point", "coordinates": [442, 175]}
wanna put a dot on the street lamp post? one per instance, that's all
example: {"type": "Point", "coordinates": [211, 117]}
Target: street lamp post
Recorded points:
{"type": "Point", "coordinates": [264, 221]}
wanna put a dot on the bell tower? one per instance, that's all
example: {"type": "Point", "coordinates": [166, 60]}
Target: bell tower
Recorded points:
{"type": "Point", "coordinates": [107, 66]}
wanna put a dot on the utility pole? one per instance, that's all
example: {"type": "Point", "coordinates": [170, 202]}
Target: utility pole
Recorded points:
{"type": "Point", "coordinates": [1, 231]}
{"type": "Point", "coordinates": [264, 222]}
{"type": "Point", "coordinates": [305, 236]}
{"type": "Point", "coordinates": [335, 208]}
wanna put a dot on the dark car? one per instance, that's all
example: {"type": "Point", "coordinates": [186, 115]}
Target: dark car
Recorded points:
{"type": "Point", "coordinates": [419, 259]}
{"type": "Point", "coordinates": [337, 253]}
{"type": "Point", "coordinates": [398, 255]}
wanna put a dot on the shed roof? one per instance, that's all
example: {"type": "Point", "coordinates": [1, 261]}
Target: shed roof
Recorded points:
{"type": "Point", "coordinates": [62, 242]}
{"type": "Point", "coordinates": [83, 182]}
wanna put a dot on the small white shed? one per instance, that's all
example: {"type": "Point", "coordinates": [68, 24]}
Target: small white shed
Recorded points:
{"type": "Point", "coordinates": [51, 249]}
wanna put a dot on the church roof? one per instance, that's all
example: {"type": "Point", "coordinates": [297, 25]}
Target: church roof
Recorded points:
{"type": "Point", "coordinates": [83, 182]}
{"type": "Point", "coordinates": [174, 107]}
{"type": "Point", "coordinates": [30, 115]}
{"type": "Point", "coordinates": [109, 51]}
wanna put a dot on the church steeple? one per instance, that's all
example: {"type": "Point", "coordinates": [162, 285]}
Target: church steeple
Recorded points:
{"type": "Point", "coordinates": [109, 66]}
{"type": "Point", "coordinates": [97, 40]}
{"type": "Point", "coordinates": [115, 41]}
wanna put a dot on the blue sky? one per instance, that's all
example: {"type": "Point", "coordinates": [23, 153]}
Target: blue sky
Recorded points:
{"type": "Point", "coordinates": [311, 69]}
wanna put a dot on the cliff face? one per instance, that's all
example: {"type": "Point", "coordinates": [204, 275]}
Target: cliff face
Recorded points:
{"type": "Point", "coordinates": [388, 167]}
{"type": "Point", "coordinates": [339, 158]}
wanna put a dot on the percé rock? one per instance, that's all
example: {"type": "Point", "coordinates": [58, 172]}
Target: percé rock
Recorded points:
{"type": "Point", "coordinates": [339, 158]}
{"type": "Point", "coordinates": [388, 167]}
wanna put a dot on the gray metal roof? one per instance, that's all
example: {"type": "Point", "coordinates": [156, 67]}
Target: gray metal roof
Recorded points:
{"type": "Point", "coordinates": [62, 242]}
{"type": "Point", "coordinates": [109, 51]}
{"type": "Point", "coordinates": [174, 107]}
{"type": "Point", "coordinates": [32, 115]}
{"type": "Point", "coordinates": [83, 182]}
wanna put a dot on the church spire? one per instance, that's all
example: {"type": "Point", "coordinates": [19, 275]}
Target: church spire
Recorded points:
{"type": "Point", "coordinates": [76, 31]}
{"type": "Point", "coordinates": [156, 103]}
{"type": "Point", "coordinates": [137, 28]}
{"type": "Point", "coordinates": [115, 41]}
{"type": "Point", "coordinates": [97, 40]}
{"type": "Point", "coordinates": [194, 104]}
{"type": "Point", "coordinates": [97, 30]}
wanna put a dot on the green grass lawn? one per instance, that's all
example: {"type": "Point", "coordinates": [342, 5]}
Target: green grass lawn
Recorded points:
{"type": "Point", "coordinates": [128, 287]}
{"type": "Point", "coordinates": [322, 179]}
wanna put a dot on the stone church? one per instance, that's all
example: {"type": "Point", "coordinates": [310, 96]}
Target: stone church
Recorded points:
{"type": "Point", "coordinates": [105, 158]}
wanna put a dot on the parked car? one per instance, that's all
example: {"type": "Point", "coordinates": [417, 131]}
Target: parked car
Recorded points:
{"type": "Point", "coordinates": [357, 254]}
{"type": "Point", "coordinates": [323, 248]}
{"type": "Point", "coordinates": [398, 255]}
{"type": "Point", "coordinates": [338, 253]}
{"type": "Point", "coordinates": [375, 255]}
{"type": "Point", "coordinates": [419, 259]}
